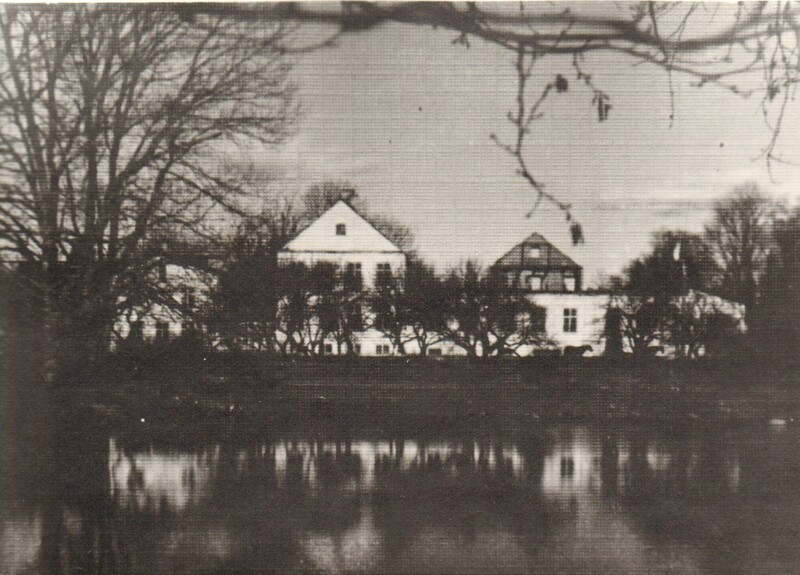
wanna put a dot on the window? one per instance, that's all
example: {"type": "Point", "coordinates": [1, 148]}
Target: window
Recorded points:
{"type": "Point", "coordinates": [525, 279]}
{"type": "Point", "coordinates": [569, 283]}
{"type": "Point", "coordinates": [536, 283]}
{"type": "Point", "coordinates": [534, 253]}
{"type": "Point", "coordinates": [162, 331]}
{"type": "Point", "coordinates": [539, 320]}
{"type": "Point", "coordinates": [355, 318]}
{"type": "Point", "coordinates": [383, 275]}
{"type": "Point", "coordinates": [382, 320]}
{"type": "Point", "coordinates": [570, 320]}
{"type": "Point", "coordinates": [357, 348]}
{"type": "Point", "coordinates": [382, 349]}
{"type": "Point", "coordinates": [435, 351]}
{"type": "Point", "coordinates": [352, 277]}
{"type": "Point", "coordinates": [567, 467]}
{"type": "Point", "coordinates": [327, 349]}
{"type": "Point", "coordinates": [341, 230]}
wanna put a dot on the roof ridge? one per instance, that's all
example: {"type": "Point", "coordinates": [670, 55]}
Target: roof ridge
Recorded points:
{"type": "Point", "coordinates": [357, 212]}
{"type": "Point", "coordinates": [536, 236]}
{"type": "Point", "coordinates": [366, 219]}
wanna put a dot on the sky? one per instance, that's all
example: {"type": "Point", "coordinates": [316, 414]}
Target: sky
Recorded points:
{"type": "Point", "coordinates": [405, 115]}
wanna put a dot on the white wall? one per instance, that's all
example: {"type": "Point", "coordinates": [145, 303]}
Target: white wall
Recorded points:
{"type": "Point", "coordinates": [361, 243]}
{"type": "Point", "coordinates": [321, 235]}
{"type": "Point", "coordinates": [591, 316]}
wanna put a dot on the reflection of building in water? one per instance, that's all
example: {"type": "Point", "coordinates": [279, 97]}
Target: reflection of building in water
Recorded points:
{"type": "Point", "coordinates": [571, 468]}
{"type": "Point", "coordinates": [583, 463]}
{"type": "Point", "coordinates": [357, 549]}
{"type": "Point", "coordinates": [552, 504]}
{"type": "Point", "coordinates": [153, 479]}
{"type": "Point", "coordinates": [302, 460]}
{"type": "Point", "coordinates": [20, 541]}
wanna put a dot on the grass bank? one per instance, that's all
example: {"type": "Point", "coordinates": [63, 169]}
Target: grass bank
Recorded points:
{"type": "Point", "coordinates": [418, 392]}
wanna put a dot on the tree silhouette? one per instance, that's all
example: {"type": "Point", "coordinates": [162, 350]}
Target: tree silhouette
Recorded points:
{"type": "Point", "coordinates": [108, 116]}
{"type": "Point", "coordinates": [740, 236]}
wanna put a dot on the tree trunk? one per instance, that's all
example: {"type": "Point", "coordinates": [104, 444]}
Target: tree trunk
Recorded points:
{"type": "Point", "coordinates": [50, 339]}
{"type": "Point", "coordinates": [399, 344]}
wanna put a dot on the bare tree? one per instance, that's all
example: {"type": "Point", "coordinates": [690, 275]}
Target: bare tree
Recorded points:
{"type": "Point", "coordinates": [679, 261]}
{"type": "Point", "coordinates": [390, 310]}
{"type": "Point", "coordinates": [751, 49]}
{"type": "Point", "coordinates": [642, 319]}
{"type": "Point", "coordinates": [698, 322]}
{"type": "Point", "coordinates": [246, 296]}
{"type": "Point", "coordinates": [776, 321]}
{"type": "Point", "coordinates": [426, 301]}
{"type": "Point", "coordinates": [108, 116]}
{"type": "Point", "coordinates": [486, 317]}
{"type": "Point", "coordinates": [322, 196]}
{"type": "Point", "coordinates": [740, 237]}
{"type": "Point", "coordinates": [342, 315]}
{"type": "Point", "coordinates": [304, 317]}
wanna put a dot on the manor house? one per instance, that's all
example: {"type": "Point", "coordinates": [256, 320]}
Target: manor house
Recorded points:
{"type": "Point", "coordinates": [343, 237]}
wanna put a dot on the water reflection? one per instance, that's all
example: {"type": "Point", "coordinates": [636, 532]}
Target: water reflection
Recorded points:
{"type": "Point", "coordinates": [166, 480]}
{"type": "Point", "coordinates": [565, 500]}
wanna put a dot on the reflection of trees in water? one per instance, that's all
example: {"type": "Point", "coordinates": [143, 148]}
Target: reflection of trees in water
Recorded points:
{"type": "Point", "coordinates": [691, 467]}
{"type": "Point", "coordinates": [609, 463]}
{"type": "Point", "coordinates": [80, 524]}
{"type": "Point", "coordinates": [125, 507]}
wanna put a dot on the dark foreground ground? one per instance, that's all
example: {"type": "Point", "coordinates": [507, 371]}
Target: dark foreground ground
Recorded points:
{"type": "Point", "coordinates": [408, 392]}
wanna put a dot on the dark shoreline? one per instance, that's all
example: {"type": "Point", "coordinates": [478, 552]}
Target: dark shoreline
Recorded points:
{"type": "Point", "coordinates": [250, 389]}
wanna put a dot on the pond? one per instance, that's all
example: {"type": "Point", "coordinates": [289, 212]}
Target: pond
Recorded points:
{"type": "Point", "coordinates": [566, 499]}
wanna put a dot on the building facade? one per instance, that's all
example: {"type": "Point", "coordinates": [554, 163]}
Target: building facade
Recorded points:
{"type": "Point", "coordinates": [343, 237]}
{"type": "Point", "coordinates": [364, 259]}
{"type": "Point", "coordinates": [165, 310]}
{"type": "Point", "coordinates": [536, 265]}
{"type": "Point", "coordinates": [363, 255]}
{"type": "Point", "coordinates": [552, 280]}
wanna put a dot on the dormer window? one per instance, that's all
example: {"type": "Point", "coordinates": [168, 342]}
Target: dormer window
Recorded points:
{"type": "Point", "coordinates": [534, 252]}
{"type": "Point", "coordinates": [341, 230]}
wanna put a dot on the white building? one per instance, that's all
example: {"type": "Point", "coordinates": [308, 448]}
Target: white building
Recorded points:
{"type": "Point", "coordinates": [160, 312]}
{"type": "Point", "coordinates": [341, 236]}
{"type": "Point", "coordinates": [552, 281]}
{"type": "Point", "coordinates": [344, 237]}
{"type": "Point", "coordinates": [574, 319]}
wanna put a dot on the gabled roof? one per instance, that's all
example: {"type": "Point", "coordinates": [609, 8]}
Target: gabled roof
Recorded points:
{"type": "Point", "coordinates": [361, 235]}
{"type": "Point", "coordinates": [551, 256]}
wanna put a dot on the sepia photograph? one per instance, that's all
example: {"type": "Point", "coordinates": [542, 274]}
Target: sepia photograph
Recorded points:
{"type": "Point", "coordinates": [422, 288]}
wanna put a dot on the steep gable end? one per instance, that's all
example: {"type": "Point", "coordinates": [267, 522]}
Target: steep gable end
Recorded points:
{"type": "Point", "coordinates": [550, 255]}
{"type": "Point", "coordinates": [341, 229]}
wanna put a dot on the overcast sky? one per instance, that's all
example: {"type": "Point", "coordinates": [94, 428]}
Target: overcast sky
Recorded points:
{"type": "Point", "coordinates": [406, 115]}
